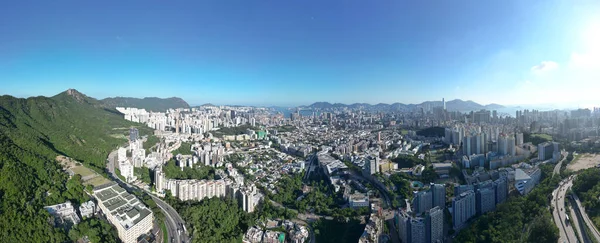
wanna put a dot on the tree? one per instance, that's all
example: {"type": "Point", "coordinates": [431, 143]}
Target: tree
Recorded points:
{"type": "Point", "coordinates": [543, 230]}
{"type": "Point", "coordinates": [214, 220]}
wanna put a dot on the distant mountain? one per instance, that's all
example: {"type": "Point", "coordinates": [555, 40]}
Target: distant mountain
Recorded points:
{"type": "Point", "coordinates": [148, 103]}
{"type": "Point", "coordinates": [33, 132]}
{"type": "Point", "coordinates": [453, 105]}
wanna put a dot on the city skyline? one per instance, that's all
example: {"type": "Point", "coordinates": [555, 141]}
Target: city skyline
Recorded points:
{"type": "Point", "coordinates": [291, 54]}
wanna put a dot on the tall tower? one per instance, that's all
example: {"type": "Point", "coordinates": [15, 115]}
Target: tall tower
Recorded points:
{"type": "Point", "coordinates": [444, 103]}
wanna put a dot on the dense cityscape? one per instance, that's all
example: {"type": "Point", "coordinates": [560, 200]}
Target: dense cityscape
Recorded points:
{"type": "Point", "coordinates": [430, 174]}
{"type": "Point", "coordinates": [300, 121]}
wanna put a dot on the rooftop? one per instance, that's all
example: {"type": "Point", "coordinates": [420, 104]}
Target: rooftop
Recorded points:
{"type": "Point", "coordinates": [126, 208]}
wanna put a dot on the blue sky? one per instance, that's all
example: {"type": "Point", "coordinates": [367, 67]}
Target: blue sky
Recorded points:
{"type": "Point", "coordinates": [300, 52]}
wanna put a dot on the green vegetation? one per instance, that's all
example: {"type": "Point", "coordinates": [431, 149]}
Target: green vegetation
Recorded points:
{"type": "Point", "coordinates": [320, 199]}
{"type": "Point", "coordinates": [118, 172]}
{"type": "Point", "coordinates": [173, 171]}
{"type": "Point", "coordinates": [402, 183]}
{"type": "Point", "coordinates": [288, 189]}
{"type": "Point", "coordinates": [536, 138]}
{"type": "Point", "coordinates": [335, 231]}
{"type": "Point", "coordinates": [143, 174]}
{"type": "Point", "coordinates": [150, 142]}
{"type": "Point", "coordinates": [148, 103]}
{"type": "Point", "coordinates": [33, 132]}
{"type": "Point", "coordinates": [520, 219]}
{"type": "Point", "coordinates": [75, 190]}
{"type": "Point", "coordinates": [214, 220]}
{"type": "Point", "coordinates": [163, 228]}
{"type": "Point", "coordinates": [587, 189]}
{"type": "Point", "coordinates": [96, 231]}
{"type": "Point", "coordinates": [232, 130]}
{"type": "Point", "coordinates": [268, 211]}
{"type": "Point", "coordinates": [184, 149]}
{"type": "Point", "coordinates": [407, 161]}
{"type": "Point", "coordinates": [432, 132]}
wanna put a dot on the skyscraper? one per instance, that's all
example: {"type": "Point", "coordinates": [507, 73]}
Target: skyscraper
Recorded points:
{"type": "Point", "coordinates": [434, 222]}
{"type": "Point", "coordinates": [404, 228]}
{"type": "Point", "coordinates": [501, 189]}
{"type": "Point", "coordinates": [486, 200]}
{"type": "Point", "coordinates": [439, 195]}
{"type": "Point", "coordinates": [423, 201]}
{"type": "Point", "coordinates": [444, 103]}
{"type": "Point", "coordinates": [418, 231]}
{"type": "Point", "coordinates": [463, 207]}
{"type": "Point", "coordinates": [519, 139]}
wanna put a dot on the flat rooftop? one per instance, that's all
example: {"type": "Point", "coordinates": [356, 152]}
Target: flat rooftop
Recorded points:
{"type": "Point", "coordinates": [126, 208]}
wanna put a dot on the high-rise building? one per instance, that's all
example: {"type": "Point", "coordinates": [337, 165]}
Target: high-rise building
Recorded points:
{"type": "Point", "coordinates": [467, 145]}
{"type": "Point", "coordinates": [423, 201]}
{"type": "Point", "coordinates": [159, 180]}
{"type": "Point", "coordinates": [438, 192]}
{"type": "Point", "coordinates": [134, 134]}
{"type": "Point", "coordinates": [463, 207]}
{"type": "Point", "coordinates": [501, 188]}
{"type": "Point", "coordinates": [126, 169]}
{"type": "Point", "coordinates": [418, 230]}
{"type": "Point", "coordinates": [463, 188]}
{"type": "Point", "coordinates": [434, 222]}
{"type": "Point", "coordinates": [486, 200]}
{"type": "Point", "coordinates": [404, 229]}
{"type": "Point", "coordinates": [371, 167]}
{"type": "Point", "coordinates": [519, 139]}
{"type": "Point", "coordinates": [510, 145]}
{"type": "Point", "coordinates": [545, 151]}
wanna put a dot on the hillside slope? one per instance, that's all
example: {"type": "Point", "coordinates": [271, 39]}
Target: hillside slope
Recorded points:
{"type": "Point", "coordinates": [33, 132]}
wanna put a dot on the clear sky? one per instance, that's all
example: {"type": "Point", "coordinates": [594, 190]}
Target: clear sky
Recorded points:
{"type": "Point", "coordinates": [298, 52]}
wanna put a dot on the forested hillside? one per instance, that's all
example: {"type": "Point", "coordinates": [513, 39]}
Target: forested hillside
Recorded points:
{"type": "Point", "coordinates": [33, 132]}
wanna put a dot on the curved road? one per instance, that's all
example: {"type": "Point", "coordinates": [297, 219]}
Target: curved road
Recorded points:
{"type": "Point", "coordinates": [586, 219]}
{"type": "Point", "coordinates": [173, 221]}
{"type": "Point", "coordinates": [567, 234]}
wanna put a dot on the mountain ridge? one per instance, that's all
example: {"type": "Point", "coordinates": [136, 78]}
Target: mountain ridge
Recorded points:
{"type": "Point", "coordinates": [452, 105]}
{"type": "Point", "coordinates": [33, 131]}
{"type": "Point", "coordinates": [148, 103]}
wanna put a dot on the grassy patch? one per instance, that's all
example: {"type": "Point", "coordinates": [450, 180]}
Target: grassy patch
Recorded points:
{"type": "Point", "coordinates": [184, 149]}
{"type": "Point", "coordinates": [83, 171]}
{"type": "Point", "coordinates": [118, 172]}
{"type": "Point", "coordinates": [97, 181]}
{"type": "Point", "coordinates": [163, 227]}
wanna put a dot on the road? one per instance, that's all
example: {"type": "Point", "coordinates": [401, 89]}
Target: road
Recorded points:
{"type": "Point", "coordinates": [567, 234]}
{"type": "Point", "coordinates": [382, 190]}
{"type": "Point", "coordinates": [173, 221]}
{"type": "Point", "coordinates": [586, 219]}
{"type": "Point", "coordinates": [559, 164]}
{"type": "Point", "coordinates": [578, 223]}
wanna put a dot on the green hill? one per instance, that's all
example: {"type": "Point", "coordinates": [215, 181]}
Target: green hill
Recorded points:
{"type": "Point", "coordinates": [148, 103]}
{"type": "Point", "coordinates": [33, 132]}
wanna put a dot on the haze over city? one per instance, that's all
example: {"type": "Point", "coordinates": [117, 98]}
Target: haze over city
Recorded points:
{"type": "Point", "coordinates": [295, 53]}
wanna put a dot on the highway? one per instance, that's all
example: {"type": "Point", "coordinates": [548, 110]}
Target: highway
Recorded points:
{"type": "Point", "coordinates": [559, 164]}
{"type": "Point", "coordinates": [578, 223]}
{"type": "Point", "coordinates": [567, 234]}
{"type": "Point", "coordinates": [586, 218]}
{"type": "Point", "coordinates": [173, 221]}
